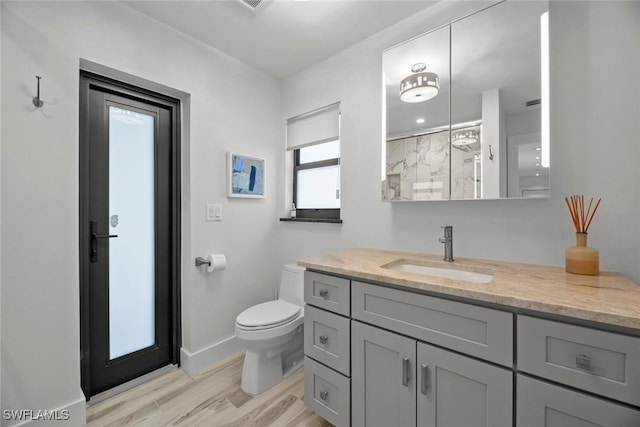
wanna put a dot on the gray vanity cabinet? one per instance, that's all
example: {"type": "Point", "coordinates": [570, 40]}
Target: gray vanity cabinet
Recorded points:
{"type": "Point", "coordinates": [327, 339]}
{"type": "Point", "coordinates": [418, 360]}
{"type": "Point", "coordinates": [399, 381]}
{"type": "Point", "coordinates": [383, 378]}
{"type": "Point", "coordinates": [599, 362]}
{"type": "Point", "coordinates": [541, 404]}
{"type": "Point", "coordinates": [455, 390]}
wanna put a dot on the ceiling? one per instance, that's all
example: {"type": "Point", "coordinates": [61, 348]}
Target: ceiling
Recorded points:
{"type": "Point", "coordinates": [281, 37]}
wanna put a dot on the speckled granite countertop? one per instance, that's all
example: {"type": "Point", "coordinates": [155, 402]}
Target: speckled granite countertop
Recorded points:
{"type": "Point", "coordinates": [609, 298]}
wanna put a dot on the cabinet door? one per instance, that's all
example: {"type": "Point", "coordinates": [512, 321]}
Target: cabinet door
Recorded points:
{"type": "Point", "coordinates": [455, 390]}
{"type": "Point", "coordinates": [383, 374]}
{"type": "Point", "coordinates": [545, 405]}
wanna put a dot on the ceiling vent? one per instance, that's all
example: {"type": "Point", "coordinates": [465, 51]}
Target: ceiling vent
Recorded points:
{"type": "Point", "coordinates": [255, 5]}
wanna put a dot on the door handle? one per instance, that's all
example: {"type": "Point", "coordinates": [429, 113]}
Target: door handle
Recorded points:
{"type": "Point", "coordinates": [323, 339]}
{"type": "Point", "coordinates": [424, 378]}
{"type": "Point", "coordinates": [324, 293]}
{"type": "Point", "coordinates": [94, 240]}
{"type": "Point", "coordinates": [405, 371]}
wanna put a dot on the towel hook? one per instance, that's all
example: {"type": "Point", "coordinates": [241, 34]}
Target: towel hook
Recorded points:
{"type": "Point", "coordinates": [490, 154]}
{"type": "Point", "coordinates": [37, 101]}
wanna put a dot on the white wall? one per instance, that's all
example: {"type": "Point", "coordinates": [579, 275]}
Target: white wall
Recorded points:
{"type": "Point", "coordinates": [231, 107]}
{"type": "Point", "coordinates": [595, 122]}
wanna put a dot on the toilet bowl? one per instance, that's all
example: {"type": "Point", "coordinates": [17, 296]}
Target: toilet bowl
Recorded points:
{"type": "Point", "coordinates": [272, 333]}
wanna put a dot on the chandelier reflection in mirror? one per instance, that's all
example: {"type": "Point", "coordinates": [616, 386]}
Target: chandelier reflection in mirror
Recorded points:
{"type": "Point", "coordinates": [420, 86]}
{"type": "Point", "coordinates": [465, 137]}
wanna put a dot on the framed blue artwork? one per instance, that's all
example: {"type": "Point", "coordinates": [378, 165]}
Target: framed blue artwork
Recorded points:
{"type": "Point", "coordinates": [245, 176]}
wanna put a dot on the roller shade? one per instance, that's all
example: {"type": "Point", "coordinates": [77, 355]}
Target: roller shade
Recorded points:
{"type": "Point", "coordinates": [314, 127]}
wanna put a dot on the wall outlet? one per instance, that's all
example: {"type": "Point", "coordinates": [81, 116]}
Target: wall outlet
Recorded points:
{"type": "Point", "coordinates": [214, 213]}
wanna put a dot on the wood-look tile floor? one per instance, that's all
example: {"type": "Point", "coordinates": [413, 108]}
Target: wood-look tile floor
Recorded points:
{"type": "Point", "coordinates": [210, 398]}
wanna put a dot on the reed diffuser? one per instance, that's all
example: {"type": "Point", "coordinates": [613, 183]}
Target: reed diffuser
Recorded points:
{"type": "Point", "coordinates": [581, 259]}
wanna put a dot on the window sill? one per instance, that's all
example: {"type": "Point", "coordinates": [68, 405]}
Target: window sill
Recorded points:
{"type": "Point", "coordinates": [324, 220]}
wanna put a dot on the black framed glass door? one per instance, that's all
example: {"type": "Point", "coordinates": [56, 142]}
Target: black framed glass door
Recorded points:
{"type": "Point", "coordinates": [129, 230]}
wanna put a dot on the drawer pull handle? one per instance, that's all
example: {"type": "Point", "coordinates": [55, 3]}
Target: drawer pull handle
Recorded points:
{"type": "Point", "coordinates": [324, 293]}
{"type": "Point", "coordinates": [324, 394]}
{"type": "Point", "coordinates": [323, 339]}
{"type": "Point", "coordinates": [405, 371]}
{"type": "Point", "coordinates": [424, 375]}
{"type": "Point", "coordinates": [584, 362]}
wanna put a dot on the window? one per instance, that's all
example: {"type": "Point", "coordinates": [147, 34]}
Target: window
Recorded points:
{"type": "Point", "coordinates": [316, 180]}
{"type": "Point", "coordinates": [314, 139]}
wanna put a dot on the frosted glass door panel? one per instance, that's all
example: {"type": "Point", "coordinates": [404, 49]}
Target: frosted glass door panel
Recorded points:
{"type": "Point", "coordinates": [131, 217]}
{"type": "Point", "coordinates": [318, 188]}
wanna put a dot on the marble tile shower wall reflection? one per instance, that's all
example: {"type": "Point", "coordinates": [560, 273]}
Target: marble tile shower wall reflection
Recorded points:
{"type": "Point", "coordinates": [417, 168]}
{"type": "Point", "coordinates": [465, 173]}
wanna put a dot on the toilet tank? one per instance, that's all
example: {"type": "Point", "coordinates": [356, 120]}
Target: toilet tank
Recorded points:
{"type": "Point", "coordinates": [292, 284]}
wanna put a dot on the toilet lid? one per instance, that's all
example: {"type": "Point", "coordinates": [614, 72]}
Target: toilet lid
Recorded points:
{"type": "Point", "coordinates": [268, 314]}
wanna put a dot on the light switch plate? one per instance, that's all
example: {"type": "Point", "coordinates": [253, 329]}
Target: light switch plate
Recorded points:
{"type": "Point", "coordinates": [214, 213]}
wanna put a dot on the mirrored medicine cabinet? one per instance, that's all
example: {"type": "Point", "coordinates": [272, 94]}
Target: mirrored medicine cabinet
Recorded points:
{"type": "Point", "coordinates": [467, 108]}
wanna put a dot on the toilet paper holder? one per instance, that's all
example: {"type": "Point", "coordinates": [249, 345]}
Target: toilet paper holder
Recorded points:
{"type": "Point", "coordinates": [212, 262]}
{"type": "Point", "coordinates": [202, 261]}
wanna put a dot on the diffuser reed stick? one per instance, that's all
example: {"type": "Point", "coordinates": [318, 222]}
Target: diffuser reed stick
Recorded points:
{"type": "Point", "coordinates": [581, 218]}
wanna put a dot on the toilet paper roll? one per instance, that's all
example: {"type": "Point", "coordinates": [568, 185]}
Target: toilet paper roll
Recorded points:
{"type": "Point", "coordinates": [217, 262]}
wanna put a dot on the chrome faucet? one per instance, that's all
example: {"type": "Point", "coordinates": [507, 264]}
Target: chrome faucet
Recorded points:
{"type": "Point", "coordinates": [447, 239]}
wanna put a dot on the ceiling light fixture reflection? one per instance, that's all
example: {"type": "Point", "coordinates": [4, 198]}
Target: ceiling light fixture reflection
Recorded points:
{"type": "Point", "coordinates": [420, 86]}
{"type": "Point", "coordinates": [465, 137]}
{"type": "Point", "coordinates": [420, 121]}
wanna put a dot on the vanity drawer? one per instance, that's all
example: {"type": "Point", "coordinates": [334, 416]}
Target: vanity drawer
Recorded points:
{"type": "Point", "coordinates": [327, 393]}
{"type": "Point", "coordinates": [545, 405]}
{"type": "Point", "coordinates": [601, 362]}
{"type": "Point", "coordinates": [479, 331]}
{"type": "Point", "coordinates": [328, 292]}
{"type": "Point", "coordinates": [327, 338]}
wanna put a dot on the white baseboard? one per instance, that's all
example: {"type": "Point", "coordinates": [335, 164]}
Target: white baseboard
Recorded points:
{"type": "Point", "coordinates": [197, 361]}
{"type": "Point", "coordinates": [70, 415]}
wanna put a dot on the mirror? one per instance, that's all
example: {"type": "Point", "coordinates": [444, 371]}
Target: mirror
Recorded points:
{"type": "Point", "coordinates": [478, 136]}
{"type": "Point", "coordinates": [417, 136]}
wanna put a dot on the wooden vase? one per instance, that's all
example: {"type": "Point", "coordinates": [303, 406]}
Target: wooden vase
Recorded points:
{"type": "Point", "coordinates": [582, 259]}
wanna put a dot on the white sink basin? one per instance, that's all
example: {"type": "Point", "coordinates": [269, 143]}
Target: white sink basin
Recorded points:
{"type": "Point", "coordinates": [465, 273]}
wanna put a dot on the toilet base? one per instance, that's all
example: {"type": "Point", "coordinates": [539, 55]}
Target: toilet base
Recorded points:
{"type": "Point", "coordinates": [259, 374]}
{"type": "Point", "coordinates": [272, 355]}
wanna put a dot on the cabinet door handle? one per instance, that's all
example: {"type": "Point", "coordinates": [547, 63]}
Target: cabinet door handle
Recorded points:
{"type": "Point", "coordinates": [323, 339]}
{"type": "Point", "coordinates": [405, 371]}
{"type": "Point", "coordinates": [324, 394]}
{"type": "Point", "coordinates": [324, 293]}
{"type": "Point", "coordinates": [424, 378]}
{"type": "Point", "coordinates": [584, 362]}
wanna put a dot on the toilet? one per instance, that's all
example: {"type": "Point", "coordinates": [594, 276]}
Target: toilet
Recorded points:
{"type": "Point", "coordinates": [272, 333]}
